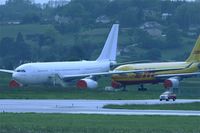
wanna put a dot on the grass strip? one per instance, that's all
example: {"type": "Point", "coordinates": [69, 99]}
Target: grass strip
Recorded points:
{"type": "Point", "coordinates": [62, 123]}
{"type": "Point", "coordinates": [181, 106]}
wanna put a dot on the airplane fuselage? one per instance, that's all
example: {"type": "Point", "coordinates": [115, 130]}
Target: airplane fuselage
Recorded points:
{"type": "Point", "coordinates": [85, 73]}
{"type": "Point", "coordinates": [38, 73]}
{"type": "Point", "coordinates": [150, 76]}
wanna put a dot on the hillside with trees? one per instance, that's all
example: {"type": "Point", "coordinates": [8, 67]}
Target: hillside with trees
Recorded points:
{"type": "Point", "coordinates": [149, 30]}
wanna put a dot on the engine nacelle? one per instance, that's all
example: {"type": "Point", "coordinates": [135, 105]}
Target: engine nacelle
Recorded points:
{"type": "Point", "coordinates": [14, 84]}
{"type": "Point", "coordinates": [116, 85]}
{"type": "Point", "coordinates": [171, 83]}
{"type": "Point", "coordinates": [87, 83]}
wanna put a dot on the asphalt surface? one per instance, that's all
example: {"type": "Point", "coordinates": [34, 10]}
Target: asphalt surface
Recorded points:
{"type": "Point", "coordinates": [89, 107]}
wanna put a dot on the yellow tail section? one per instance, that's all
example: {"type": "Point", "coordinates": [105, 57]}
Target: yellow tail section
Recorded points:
{"type": "Point", "coordinates": [195, 54]}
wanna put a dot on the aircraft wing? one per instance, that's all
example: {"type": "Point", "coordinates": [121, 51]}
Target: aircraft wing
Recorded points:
{"type": "Point", "coordinates": [96, 74]}
{"type": "Point", "coordinates": [6, 71]}
{"type": "Point", "coordinates": [75, 76]}
{"type": "Point", "coordinates": [182, 75]}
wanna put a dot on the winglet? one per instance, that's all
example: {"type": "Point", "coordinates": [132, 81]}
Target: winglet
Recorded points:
{"type": "Point", "coordinates": [110, 48]}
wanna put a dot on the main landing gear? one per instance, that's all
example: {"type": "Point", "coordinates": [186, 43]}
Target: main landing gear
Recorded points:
{"type": "Point", "coordinates": [141, 88]}
{"type": "Point", "coordinates": [124, 88]}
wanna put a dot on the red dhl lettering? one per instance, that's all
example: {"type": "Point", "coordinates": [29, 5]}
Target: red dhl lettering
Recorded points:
{"type": "Point", "coordinates": [141, 75]}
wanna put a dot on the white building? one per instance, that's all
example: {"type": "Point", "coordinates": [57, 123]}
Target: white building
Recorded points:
{"type": "Point", "coordinates": [103, 19]}
{"type": "Point", "coordinates": [57, 3]}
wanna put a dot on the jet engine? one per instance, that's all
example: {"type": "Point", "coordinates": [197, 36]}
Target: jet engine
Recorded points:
{"type": "Point", "coordinates": [14, 84]}
{"type": "Point", "coordinates": [116, 85]}
{"type": "Point", "coordinates": [171, 83]}
{"type": "Point", "coordinates": [86, 83]}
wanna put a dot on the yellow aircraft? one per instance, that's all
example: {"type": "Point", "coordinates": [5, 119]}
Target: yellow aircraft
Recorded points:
{"type": "Point", "coordinates": [170, 73]}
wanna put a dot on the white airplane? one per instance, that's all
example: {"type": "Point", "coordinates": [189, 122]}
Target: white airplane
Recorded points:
{"type": "Point", "coordinates": [83, 72]}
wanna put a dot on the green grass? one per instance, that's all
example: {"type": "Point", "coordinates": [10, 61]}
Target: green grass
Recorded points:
{"type": "Point", "coordinates": [188, 89]}
{"type": "Point", "coordinates": [62, 123]}
{"type": "Point", "coordinates": [100, 34]}
{"type": "Point", "coordinates": [39, 92]}
{"type": "Point", "coordinates": [182, 106]}
{"type": "Point", "coordinates": [12, 30]}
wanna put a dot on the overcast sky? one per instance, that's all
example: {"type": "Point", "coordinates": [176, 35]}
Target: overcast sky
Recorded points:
{"type": "Point", "coordinates": [36, 1]}
{"type": "Point", "coordinates": [44, 1]}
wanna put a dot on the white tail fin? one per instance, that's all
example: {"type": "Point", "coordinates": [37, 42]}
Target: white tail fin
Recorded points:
{"type": "Point", "coordinates": [110, 48]}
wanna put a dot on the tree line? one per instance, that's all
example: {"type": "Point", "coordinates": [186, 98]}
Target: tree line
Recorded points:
{"type": "Point", "coordinates": [84, 12]}
{"type": "Point", "coordinates": [81, 15]}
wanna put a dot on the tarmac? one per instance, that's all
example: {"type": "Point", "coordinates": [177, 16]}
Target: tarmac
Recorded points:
{"type": "Point", "coordinates": [90, 107]}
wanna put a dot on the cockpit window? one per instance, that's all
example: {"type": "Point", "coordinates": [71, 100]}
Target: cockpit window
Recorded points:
{"type": "Point", "coordinates": [21, 71]}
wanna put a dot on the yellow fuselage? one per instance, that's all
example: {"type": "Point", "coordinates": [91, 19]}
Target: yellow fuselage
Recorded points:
{"type": "Point", "coordinates": [150, 76]}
